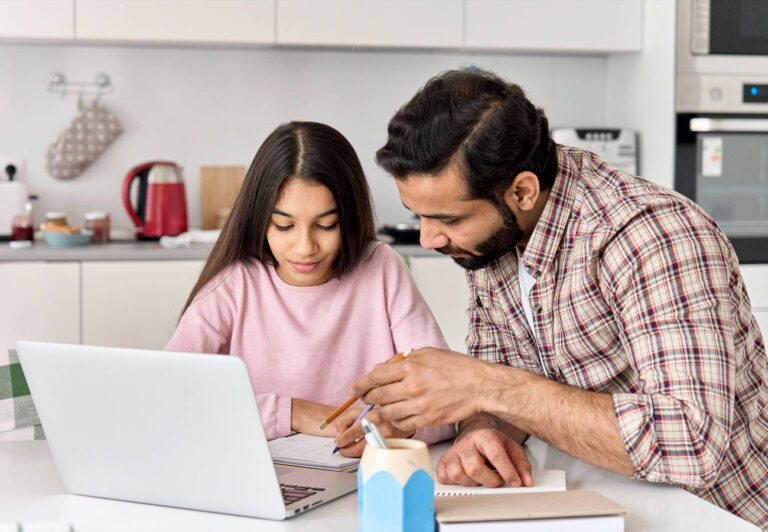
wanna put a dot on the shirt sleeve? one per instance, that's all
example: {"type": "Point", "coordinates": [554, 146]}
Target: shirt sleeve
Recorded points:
{"type": "Point", "coordinates": [668, 276]}
{"type": "Point", "coordinates": [412, 324]}
{"type": "Point", "coordinates": [206, 327]}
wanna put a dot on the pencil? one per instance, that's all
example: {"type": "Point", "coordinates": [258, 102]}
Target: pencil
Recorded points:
{"type": "Point", "coordinates": [336, 413]}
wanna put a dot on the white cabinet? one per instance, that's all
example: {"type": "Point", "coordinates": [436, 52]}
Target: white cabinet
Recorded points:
{"type": "Point", "coordinates": [212, 21]}
{"type": "Point", "coordinates": [756, 279]}
{"type": "Point", "coordinates": [37, 19]}
{"type": "Point", "coordinates": [443, 285]}
{"type": "Point", "coordinates": [402, 23]}
{"type": "Point", "coordinates": [135, 303]}
{"type": "Point", "coordinates": [41, 301]}
{"type": "Point", "coordinates": [555, 25]}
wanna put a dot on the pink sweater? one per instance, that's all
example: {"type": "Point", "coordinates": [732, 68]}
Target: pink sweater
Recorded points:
{"type": "Point", "coordinates": [310, 342]}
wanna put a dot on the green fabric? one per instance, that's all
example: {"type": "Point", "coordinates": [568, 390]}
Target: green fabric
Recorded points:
{"type": "Point", "coordinates": [17, 410]}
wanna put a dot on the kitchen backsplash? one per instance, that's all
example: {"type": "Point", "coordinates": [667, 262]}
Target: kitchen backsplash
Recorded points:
{"type": "Point", "coordinates": [215, 106]}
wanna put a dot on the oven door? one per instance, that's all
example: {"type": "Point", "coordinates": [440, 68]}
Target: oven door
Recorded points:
{"type": "Point", "coordinates": [730, 27]}
{"type": "Point", "coordinates": [722, 164]}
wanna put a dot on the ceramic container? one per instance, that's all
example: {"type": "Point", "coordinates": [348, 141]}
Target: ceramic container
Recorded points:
{"type": "Point", "coordinates": [396, 488]}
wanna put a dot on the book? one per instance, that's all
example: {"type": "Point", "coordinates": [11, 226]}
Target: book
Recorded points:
{"type": "Point", "coordinates": [543, 480]}
{"type": "Point", "coordinates": [540, 511]}
{"type": "Point", "coordinates": [303, 450]}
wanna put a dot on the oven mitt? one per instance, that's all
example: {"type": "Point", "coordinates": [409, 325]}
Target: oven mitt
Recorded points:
{"type": "Point", "coordinates": [88, 135]}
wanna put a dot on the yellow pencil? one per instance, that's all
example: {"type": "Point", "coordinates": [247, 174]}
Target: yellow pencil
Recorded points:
{"type": "Point", "coordinates": [336, 413]}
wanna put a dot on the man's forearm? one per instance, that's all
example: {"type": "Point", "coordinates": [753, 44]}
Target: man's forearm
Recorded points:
{"type": "Point", "coordinates": [484, 420]}
{"type": "Point", "coordinates": [576, 421]}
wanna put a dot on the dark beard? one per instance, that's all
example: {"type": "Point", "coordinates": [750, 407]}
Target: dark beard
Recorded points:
{"type": "Point", "coordinates": [501, 242]}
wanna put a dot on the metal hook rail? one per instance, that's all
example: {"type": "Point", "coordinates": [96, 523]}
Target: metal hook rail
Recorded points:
{"type": "Point", "coordinates": [58, 84]}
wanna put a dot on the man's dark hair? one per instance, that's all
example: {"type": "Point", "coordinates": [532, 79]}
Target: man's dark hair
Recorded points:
{"type": "Point", "coordinates": [478, 121]}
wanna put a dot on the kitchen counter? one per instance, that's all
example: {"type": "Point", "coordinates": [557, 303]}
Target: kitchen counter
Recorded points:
{"type": "Point", "coordinates": [136, 250]}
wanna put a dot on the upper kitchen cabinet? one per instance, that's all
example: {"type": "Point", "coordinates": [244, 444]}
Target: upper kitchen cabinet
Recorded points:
{"type": "Point", "coordinates": [592, 26]}
{"type": "Point", "coordinates": [375, 23]}
{"type": "Point", "coordinates": [37, 19]}
{"type": "Point", "coordinates": [179, 21]}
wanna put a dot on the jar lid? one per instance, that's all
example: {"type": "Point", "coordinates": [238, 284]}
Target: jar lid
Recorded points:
{"type": "Point", "coordinates": [95, 215]}
{"type": "Point", "coordinates": [55, 214]}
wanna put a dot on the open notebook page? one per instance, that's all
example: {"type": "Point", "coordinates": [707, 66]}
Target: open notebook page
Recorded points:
{"type": "Point", "coordinates": [308, 451]}
{"type": "Point", "coordinates": [543, 480]}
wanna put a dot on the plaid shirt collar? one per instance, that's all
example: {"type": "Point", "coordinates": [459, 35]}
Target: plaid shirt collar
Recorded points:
{"type": "Point", "coordinates": [547, 236]}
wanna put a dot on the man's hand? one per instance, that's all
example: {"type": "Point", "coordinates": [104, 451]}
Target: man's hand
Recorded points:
{"type": "Point", "coordinates": [350, 438]}
{"type": "Point", "coordinates": [485, 456]}
{"type": "Point", "coordinates": [430, 387]}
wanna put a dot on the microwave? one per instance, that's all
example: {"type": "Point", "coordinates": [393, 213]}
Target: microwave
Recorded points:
{"type": "Point", "coordinates": [721, 104]}
{"type": "Point", "coordinates": [722, 51]}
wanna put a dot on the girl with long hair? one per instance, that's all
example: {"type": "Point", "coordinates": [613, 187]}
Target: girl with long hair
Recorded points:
{"type": "Point", "coordinates": [298, 287]}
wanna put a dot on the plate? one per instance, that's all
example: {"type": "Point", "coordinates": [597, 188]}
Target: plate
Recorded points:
{"type": "Point", "coordinates": [66, 240]}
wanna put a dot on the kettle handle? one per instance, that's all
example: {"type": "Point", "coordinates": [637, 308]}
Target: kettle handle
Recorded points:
{"type": "Point", "coordinates": [134, 173]}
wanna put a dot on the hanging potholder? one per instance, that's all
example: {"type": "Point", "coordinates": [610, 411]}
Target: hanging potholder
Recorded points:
{"type": "Point", "coordinates": [88, 135]}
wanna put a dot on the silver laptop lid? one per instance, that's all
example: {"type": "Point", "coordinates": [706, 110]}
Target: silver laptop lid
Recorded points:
{"type": "Point", "coordinates": [175, 429]}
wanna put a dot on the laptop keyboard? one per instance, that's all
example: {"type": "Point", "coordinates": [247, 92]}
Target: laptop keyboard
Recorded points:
{"type": "Point", "coordinates": [293, 493]}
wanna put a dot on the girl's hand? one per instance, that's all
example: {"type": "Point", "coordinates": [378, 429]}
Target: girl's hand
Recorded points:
{"type": "Point", "coordinates": [350, 438]}
{"type": "Point", "coordinates": [307, 415]}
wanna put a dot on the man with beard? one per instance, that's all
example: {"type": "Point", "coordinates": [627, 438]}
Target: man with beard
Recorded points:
{"type": "Point", "coordinates": [607, 314]}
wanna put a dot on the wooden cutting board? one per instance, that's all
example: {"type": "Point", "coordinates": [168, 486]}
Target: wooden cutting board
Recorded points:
{"type": "Point", "coordinates": [219, 186]}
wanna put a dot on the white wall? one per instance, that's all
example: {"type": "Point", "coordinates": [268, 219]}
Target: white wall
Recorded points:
{"type": "Point", "coordinates": [640, 92]}
{"type": "Point", "coordinates": [215, 106]}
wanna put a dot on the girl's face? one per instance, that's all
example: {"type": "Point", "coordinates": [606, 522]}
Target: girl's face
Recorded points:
{"type": "Point", "coordinates": [304, 233]}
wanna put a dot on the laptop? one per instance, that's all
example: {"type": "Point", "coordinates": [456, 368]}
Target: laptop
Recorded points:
{"type": "Point", "coordinates": [173, 429]}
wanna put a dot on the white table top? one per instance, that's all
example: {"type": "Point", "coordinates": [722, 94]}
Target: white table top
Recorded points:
{"type": "Point", "coordinates": [31, 491]}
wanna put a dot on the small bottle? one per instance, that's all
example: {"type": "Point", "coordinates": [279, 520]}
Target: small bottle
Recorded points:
{"type": "Point", "coordinates": [98, 222]}
{"type": "Point", "coordinates": [23, 228]}
{"type": "Point", "coordinates": [55, 218]}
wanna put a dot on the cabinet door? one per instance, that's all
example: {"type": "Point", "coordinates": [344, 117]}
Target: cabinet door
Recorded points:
{"type": "Point", "coordinates": [221, 21]}
{"type": "Point", "coordinates": [756, 279]}
{"type": "Point", "coordinates": [556, 25]}
{"type": "Point", "coordinates": [135, 304]}
{"type": "Point", "coordinates": [41, 302]}
{"type": "Point", "coordinates": [443, 285]}
{"type": "Point", "coordinates": [419, 23]}
{"type": "Point", "coordinates": [37, 19]}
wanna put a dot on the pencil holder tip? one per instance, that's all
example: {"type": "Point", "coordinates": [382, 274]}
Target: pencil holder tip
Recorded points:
{"type": "Point", "coordinates": [322, 425]}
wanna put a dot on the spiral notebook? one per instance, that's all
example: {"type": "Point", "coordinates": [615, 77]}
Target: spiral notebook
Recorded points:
{"type": "Point", "coordinates": [543, 480]}
{"type": "Point", "coordinates": [303, 450]}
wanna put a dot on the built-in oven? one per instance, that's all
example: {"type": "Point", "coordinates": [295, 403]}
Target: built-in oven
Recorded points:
{"type": "Point", "coordinates": [721, 100]}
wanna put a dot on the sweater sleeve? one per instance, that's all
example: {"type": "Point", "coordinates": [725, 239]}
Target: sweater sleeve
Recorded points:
{"type": "Point", "coordinates": [206, 327]}
{"type": "Point", "coordinates": [412, 324]}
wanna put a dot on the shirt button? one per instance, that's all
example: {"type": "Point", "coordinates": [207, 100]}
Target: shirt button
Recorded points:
{"type": "Point", "coordinates": [537, 308]}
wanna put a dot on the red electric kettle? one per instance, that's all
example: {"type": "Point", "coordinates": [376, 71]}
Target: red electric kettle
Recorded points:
{"type": "Point", "coordinates": [161, 203]}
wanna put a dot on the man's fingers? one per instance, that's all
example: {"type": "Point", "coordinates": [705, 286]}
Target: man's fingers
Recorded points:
{"type": "Point", "coordinates": [450, 471]}
{"type": "Point", "coordinates": [476, 468]}
{"type": "Point", "coordinates": [379, 376]}
{"type": "Point", "coordinates": [496, 453]}
{"type": "Point", "coordinates": [520, 461]}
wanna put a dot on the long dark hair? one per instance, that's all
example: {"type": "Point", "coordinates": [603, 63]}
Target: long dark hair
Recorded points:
{"type": "Point", "coordinates": [306, 150]}
{"type": "Point", "coordinates": [477, 120]}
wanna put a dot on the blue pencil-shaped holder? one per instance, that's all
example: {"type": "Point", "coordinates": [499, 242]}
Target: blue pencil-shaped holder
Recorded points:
{"type": "Point", "coordinates": [396, 488]}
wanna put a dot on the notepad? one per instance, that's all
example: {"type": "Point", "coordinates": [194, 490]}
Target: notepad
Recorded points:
{"type": "Point", "coordinates": [543, 480]}
{"type": "Point", "coordinates": [309, 451]}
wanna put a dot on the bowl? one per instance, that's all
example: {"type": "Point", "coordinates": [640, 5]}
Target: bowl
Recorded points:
{"type": "Point", "coordinates": [66, 240]}
{"type": "Point", "coordinates": [402, 233]}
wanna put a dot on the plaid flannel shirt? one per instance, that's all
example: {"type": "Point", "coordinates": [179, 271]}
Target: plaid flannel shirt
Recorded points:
{"type": "Point", "coordinates": [638, 294]}
{"type": "Point", "coordinates": [18, 417]}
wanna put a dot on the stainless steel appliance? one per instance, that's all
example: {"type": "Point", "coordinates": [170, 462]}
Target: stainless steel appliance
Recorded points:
{"type": "Point", "coordinates": [722, 117]}
{"type": "Point", "coordinates": [618, 147]}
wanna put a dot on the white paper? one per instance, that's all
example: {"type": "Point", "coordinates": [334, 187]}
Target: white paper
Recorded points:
{"type": "Point", "coordinates": [309, 451]}
{"type": "Point", "coordinates": [543, 480]}
{"type": "Point", "coordinates": [712, 156]}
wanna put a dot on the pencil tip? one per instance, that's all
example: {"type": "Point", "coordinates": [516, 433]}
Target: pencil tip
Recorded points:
{"type": "Point", "coordinates": [322, 425]}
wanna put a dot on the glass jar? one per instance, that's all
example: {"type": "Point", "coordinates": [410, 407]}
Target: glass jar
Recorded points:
{"type": "Point", "coordinates": [98, 222]}
{"type": "Point", "coordinates": [55, 218]}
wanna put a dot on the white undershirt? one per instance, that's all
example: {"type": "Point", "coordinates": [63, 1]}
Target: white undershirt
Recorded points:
{"type": "Point", "coordinates": [527, 282]}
